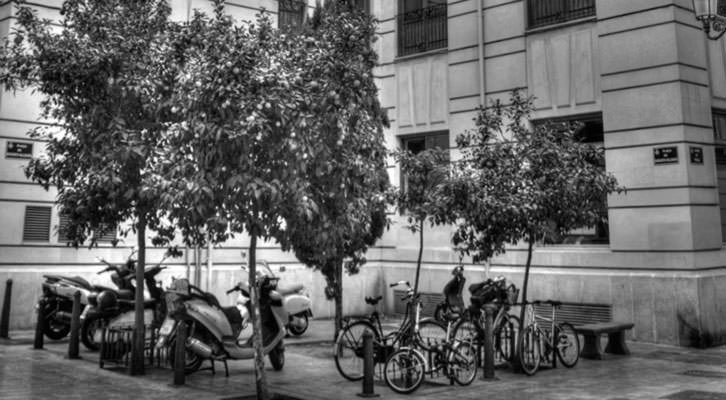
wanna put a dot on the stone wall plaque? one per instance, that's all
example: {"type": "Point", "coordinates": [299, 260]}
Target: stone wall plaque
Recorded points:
{"type": "Point", "coordinates": [696, 154]}
{"type": "Point", "coordinates": [665, 155]}
{"type": "Point", "coordinates": [18, 150]}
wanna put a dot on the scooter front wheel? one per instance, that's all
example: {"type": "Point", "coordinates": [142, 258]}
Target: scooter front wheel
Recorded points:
{"type": "Point", "coordinates": [277, 356]}
{"type": "Point", "coordinates": [298, 323]}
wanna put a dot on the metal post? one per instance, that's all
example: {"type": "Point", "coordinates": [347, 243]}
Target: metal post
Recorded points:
{"type": "Point", "coordinates": [39, 325]}
{"type": "Point", "coordinates": [368, 365]}
{"type": "Point", "coordinates": [75, 326]}
{"type": "Point", "coordinates": [5, 317]}
{"type": "Point", "coordinates": [489, 310]}
{"type": "Point", "coordinates": [180, 353]}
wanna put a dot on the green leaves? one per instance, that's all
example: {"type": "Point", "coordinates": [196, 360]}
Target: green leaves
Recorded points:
{"type": "Point", "coordinates": [514, 183]}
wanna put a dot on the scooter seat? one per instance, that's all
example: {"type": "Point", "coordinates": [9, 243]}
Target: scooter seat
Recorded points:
{"type": "Point", "coordinates": [125, 294]}
{"type": "Point", "coordinates": [75, 279]}
{"type": "Point", "coordinates": [285, 290]}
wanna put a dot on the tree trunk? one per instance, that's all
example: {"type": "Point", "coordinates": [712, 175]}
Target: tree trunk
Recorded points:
{"type": "Point", "coordinates": [526, 281]}
{"type": "Point", "coordinates": [260, 377]}
{"type": "Point", "coordinates": [137, 349]}
{"type": "Point", "coordinates": [420, 254]}
{"type": "Point", "coordinates": [516, 366]}
{"type": "Point", "coordinates": [338, 296]}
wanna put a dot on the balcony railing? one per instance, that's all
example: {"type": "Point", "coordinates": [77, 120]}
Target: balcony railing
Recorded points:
{"type": "Point", "coordinates": [422, 30]}
{"type": "Point", "coordinates": [548, 12]}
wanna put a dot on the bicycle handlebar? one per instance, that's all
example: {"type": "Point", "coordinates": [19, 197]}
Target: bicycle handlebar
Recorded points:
{"type": "Point", "coordinates": [400, 283]}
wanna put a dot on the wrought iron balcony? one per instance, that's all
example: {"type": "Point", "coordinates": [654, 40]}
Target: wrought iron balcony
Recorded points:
{"type": "Point", "coordinates": [422, 30]}
{"type": "Point", "coordinates": [549, 12]}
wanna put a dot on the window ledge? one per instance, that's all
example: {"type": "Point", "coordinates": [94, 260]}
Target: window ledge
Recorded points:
{"type": "Point", "coordinates": [560, 25]}
{"type": "Point", "coordinates": [428, 53]}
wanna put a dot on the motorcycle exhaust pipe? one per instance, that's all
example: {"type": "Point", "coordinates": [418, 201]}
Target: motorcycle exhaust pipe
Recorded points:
{"type": "Point", "coordinates": [199, 348]}
{"type": "Point", "coordinates": [63, 315]}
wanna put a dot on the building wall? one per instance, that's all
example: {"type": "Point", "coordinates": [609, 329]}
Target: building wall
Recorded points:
{"type": "Point", "coordinates": [644, 65]}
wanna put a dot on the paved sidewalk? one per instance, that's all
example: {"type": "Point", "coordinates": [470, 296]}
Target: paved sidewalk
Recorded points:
{"type": "Point", "coordinates": [650, 372]}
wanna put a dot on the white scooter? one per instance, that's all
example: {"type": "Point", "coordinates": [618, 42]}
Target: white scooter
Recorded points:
{"type": "Point", "coordinates": [214, 330]}
{"type": "Point", "coordinates": [294, 298]}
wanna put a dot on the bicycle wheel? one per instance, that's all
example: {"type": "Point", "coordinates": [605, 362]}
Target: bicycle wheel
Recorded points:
{"type": "Point", "coordinates": [529, 350]}
{"type": "Point", "coordinates": [505, 338]}
{"type": "Point", "coordinates": [404, 371]}
{"type": "Point", "coordinates": [568, 345]}
{"type": "Point", "coordinates": [430, 333]}
{"type": "Point", "coordinates": [464, 330]}
{"type": "Point", "coordinates": [463, 363]}
{"type": "Point", "coordinates": [349, 349]}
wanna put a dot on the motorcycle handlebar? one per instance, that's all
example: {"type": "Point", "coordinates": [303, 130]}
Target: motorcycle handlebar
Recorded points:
{"type": "Point", "coordinates": [234, 289]}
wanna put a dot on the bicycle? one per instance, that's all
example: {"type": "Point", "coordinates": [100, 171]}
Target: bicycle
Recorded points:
{"type": "Point", "coordinates": [537, 344]}
{"type": "Point", "coordinates": [348, 352]}
{"type": "Point", "coordinates": [505, 326]}
{"type": "Point", "coordinates": [406, 368]}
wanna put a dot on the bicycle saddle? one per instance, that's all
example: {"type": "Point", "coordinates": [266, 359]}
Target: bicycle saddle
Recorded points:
{"type": "Point", "coordinates": [373, 300]}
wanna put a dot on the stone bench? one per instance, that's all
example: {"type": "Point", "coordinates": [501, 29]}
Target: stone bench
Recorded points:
{"type": "Point", "coordinates": [616, 338]}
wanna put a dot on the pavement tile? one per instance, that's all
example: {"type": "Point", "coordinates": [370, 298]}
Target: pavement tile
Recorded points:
{"type": "Point", "coordinates": [651, 372]}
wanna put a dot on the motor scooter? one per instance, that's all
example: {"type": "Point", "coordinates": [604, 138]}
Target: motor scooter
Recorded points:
{"type": "Point", "coordinates": [116, 309]}
{"type": "Point", "coordinates": [214, 331]}
{"type": "Point", "coordinates": [294, 298]}
{"type": "Point", "coordinates": [453, 305]}
{"type": "Point", "coordinates": [57, 298]}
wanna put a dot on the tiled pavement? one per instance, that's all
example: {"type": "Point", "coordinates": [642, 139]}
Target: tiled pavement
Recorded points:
{"type": "Point", "coordinates": [651, 372]}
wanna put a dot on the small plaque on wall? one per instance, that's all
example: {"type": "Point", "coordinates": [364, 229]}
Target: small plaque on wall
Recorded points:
{"type": "Point", "coordinates": [18, 150]}
{"type": "Point", "coordinates": [696, 154]}
{"type": "Point", "coordinates": [665, 155]}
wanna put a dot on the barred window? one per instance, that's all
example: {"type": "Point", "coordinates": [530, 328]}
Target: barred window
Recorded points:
{"type": "Point", "coordinates": [291, 14]}
{"type": "Point", "coordinates": [550, 12]}
{"type": "Point", "coordinates": [422, 26]}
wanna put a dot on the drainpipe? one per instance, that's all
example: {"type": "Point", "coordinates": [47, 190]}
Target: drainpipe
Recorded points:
{"type": "Point", "coordinates": [480, 47]}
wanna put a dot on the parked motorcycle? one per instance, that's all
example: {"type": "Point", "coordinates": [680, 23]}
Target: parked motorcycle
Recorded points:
{"type": "Point", "coordinates": [57, 298]}
{"type": "Point", "coordinates": [453, 305]}
{"type": "Point", "coordinates": [294, 298]}
{"type": "Point", "coordinates": [214, 331]}
{"type": "Point", "coordinates": [115, 309]}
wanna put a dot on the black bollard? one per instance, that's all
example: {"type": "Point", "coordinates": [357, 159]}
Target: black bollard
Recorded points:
{"type": "Point", "coordinates": [180, 353]}
{"type": "Point", "coordinates": [368, 365]}
{"type": "Point", "coordinates": [39, 325]}
{"type": "Point", "coordinates": [5, 317]}
{"type": "Point", "coordinates": [489, 310]}
{"type": "Point", "coordinates": [75, 326]}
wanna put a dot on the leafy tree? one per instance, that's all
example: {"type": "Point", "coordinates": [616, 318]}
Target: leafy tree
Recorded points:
{"type": "Point", "coordinates": [91, 74]}
{"type": "Point", "coordinates": [422, 195]}
{"type": "Point", "coordinates": [245, 140]}
{"type": "Point", "coordinates": [517, 183]}
{"type": "Point", "coordinates": [348, 178]}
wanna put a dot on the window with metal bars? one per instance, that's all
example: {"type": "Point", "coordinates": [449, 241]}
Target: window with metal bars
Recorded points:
{"type": "Point", "coordinates": [590, 131]}
{"type": "Point", "coordinates": [291, 14]}
{"type": "Point", "coordinates": [36, 226]}
{"type": "Point", "coordinates": [422, 26]}
{"type": "Point", "coordinates": [549, 12]}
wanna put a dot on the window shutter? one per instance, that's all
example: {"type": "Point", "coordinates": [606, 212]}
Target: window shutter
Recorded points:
{"type": "Point", "coordinates": [37, 223]}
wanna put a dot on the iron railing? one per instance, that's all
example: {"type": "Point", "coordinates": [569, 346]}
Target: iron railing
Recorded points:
{"type": "Point", "coordinates": [422, 30]}
{"type": "Point", "coordinates": [548, 12]}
